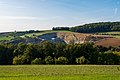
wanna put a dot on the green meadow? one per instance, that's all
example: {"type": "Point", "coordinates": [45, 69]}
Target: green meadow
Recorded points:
{"type": "Point", "coordinates": [60, 72]}
{"type": "Point", "coordinates": [6, 38]}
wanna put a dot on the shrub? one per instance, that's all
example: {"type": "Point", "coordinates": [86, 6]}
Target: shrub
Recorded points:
{"type": "Point", "coordinates": [62, 60]}
{"type": "Point", "coordinates": [18, 60]}
{"type": "Point", "coordinates": [80, 60]}
{"type": "Point", "coordinates": [49, 60]}
{"type": "Point", "coordinates": [36, 61]}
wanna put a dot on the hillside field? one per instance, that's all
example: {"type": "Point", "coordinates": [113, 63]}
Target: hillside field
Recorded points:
{"type": "Point", "coordinates": [109, 42]}
{"type": "Point", "coordinates": [10, 35]}
{"type": "Point", "coordinates": [114, 34]}
{"type": "Point", "coordinates": [113, 38]}
{"type": "Point", "coordinates": [60, 72]}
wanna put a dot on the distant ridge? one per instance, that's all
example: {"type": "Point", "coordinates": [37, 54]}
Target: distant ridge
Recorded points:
{"type": "Point", "coordinates": [97, 27]}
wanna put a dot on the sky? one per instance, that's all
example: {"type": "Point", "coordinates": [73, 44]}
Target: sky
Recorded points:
{"type": "Point", "coordinates": [22, 15]}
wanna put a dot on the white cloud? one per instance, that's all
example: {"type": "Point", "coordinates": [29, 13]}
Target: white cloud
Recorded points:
{"type": "Point", "coordinates": [17, 17]}
{"type": "Point", "coordinates": [3, 4]}
{"type": "Point", "coordinates": [29, 18]}
{"type": "Point", "coordinates": [8, 5]}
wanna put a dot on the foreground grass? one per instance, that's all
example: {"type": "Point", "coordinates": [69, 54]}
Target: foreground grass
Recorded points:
{"type": "Point", "coordinates": [60, 72]}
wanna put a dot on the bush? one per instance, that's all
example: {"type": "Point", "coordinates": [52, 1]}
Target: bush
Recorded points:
{"type": "Point", "coordinates": [17, 60]}
{"type": "Point", "coordinates": [62, 60]}
{"type": "Point", "coordinates": [80, 60]}
{"type": "Point", "coordinates": [36, 61]}
{"type": "Point", "coordinates": [49, 60]}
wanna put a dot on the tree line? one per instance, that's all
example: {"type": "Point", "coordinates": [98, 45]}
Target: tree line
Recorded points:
{"type": "Point", "coordinates": [58, 53]}
{"type": "Point", "coordinates": [97, 27]}
{"type": "Point", "coordinates": [60, 28]}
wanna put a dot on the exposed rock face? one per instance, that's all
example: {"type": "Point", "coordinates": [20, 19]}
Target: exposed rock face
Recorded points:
{"type": "Point", "coordinates": [79, 37]}
{"type": "Point", "coordinates": [72, 37]}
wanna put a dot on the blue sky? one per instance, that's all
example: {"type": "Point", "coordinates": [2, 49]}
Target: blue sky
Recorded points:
{"type": "Point", "coordinates": [44, 14]}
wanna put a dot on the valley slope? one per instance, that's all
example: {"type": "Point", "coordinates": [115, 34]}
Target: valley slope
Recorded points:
{"type": "Point", "coordinates": [61, 37]}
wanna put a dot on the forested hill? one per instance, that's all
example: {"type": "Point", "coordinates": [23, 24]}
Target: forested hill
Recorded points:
{"type": "Point", "coordinates": [97, 27]}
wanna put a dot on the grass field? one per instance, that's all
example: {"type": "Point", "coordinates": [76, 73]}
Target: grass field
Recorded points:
{"type": "Point", "coordinates": [114, 34]}
{"type": "Point", "coordinates": [5, 38]}
{"type": "Point", "coordinates": [60, 72]}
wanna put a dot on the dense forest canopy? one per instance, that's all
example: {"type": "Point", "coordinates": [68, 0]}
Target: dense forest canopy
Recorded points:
{"type": "Point", "coordinates": [97, 27]}
{"type": "Point", "coordinates": [57, 53]}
